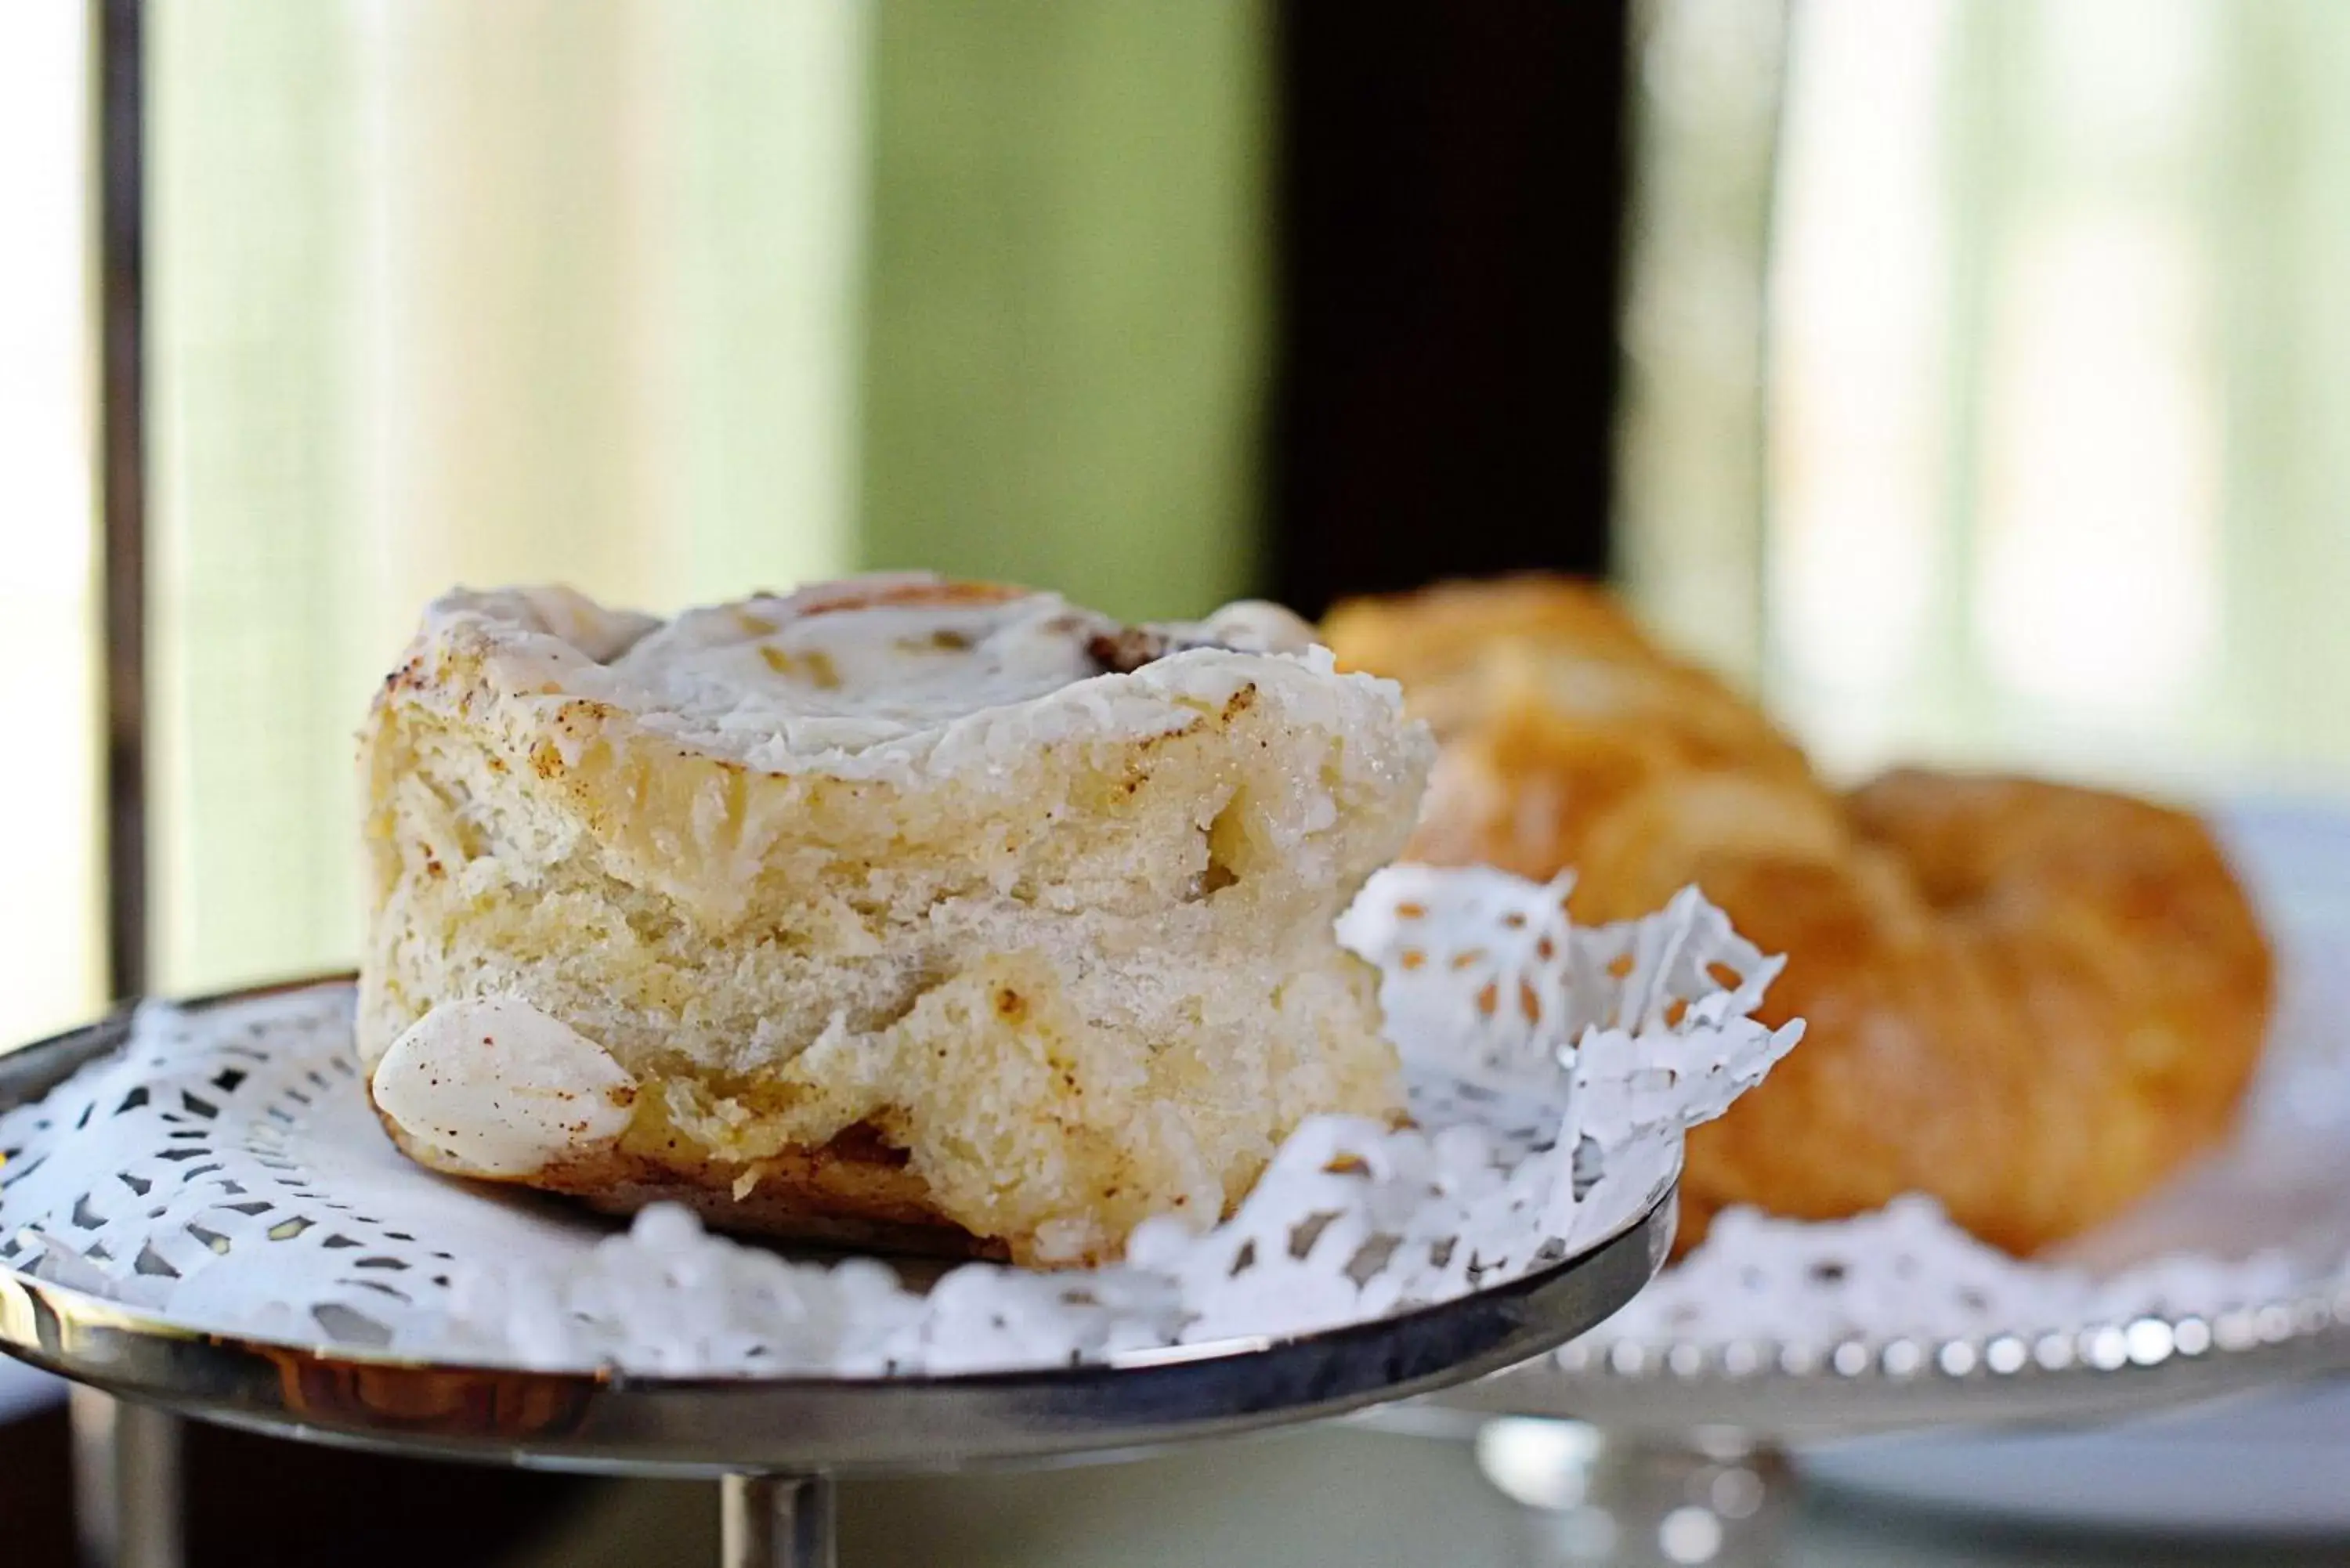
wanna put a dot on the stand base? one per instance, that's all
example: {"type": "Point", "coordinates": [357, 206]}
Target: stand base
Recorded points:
{"type": "Point", "coordinates": [776, 1521]}
{"type": "Point", "coordinates": [1716, 1496]}
{"type": "Point", "coordinates": [126, 1482]}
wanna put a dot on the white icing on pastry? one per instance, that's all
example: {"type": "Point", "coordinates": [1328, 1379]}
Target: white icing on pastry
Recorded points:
{"type": "Point", "coordinates": [852, 677]}
{"type": "Point", "coordinates": [502, 1088]}
{"type": "Point", "coordinates": [890, 675]}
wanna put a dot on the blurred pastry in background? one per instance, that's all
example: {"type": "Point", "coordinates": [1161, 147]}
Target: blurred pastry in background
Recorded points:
{"type": "Point", "coordinates": [2031, 1000]}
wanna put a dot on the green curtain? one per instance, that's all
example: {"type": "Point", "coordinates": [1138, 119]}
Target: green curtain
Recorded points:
{"type": "Point", "coordinates": [1066, 340]}
{"type": "Point", "coordinates": [256, 555]}
{"type": "Point", "coordinates": [670, 299]}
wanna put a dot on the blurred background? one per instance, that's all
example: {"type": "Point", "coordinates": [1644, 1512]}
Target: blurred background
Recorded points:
{"type": "Point", "coordinates": [1963, 373]}
{"type": "Point", "coordinates": [1969, 376]}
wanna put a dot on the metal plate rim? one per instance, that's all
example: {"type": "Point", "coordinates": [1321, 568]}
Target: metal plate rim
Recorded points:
{"type": "Point", "coordinates": [633, 1423]}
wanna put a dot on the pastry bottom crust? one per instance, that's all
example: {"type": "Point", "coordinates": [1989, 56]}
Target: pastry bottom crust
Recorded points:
{"type": "Point", "coordinates": [855, 1191]}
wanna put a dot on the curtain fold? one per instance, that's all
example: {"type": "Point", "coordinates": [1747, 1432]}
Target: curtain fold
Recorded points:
{"type": "Point", "coordinates": [2050, 474]}
{"type": "Point", "coordinates": [445, 293]}
{"type": "Point", "coordinates": [668, 299]}
{"type": "Point", "coordinates": [1067, 338]}
{"type": "Point", "coordinates": [1704, 79]}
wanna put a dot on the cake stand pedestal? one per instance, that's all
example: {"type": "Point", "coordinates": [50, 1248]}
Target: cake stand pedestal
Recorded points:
{"type": "Point", "coordinates": [777, 1444]}
{"type": "Point", "coordinates": [775, 1521]}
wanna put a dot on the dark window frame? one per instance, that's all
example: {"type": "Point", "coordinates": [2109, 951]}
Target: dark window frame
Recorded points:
{"type": "Point", "coordinates": [1450, 198]}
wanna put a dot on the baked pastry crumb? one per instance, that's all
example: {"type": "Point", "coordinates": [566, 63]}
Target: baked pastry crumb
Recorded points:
{"type": "Point", "coordinates": [901, 910]}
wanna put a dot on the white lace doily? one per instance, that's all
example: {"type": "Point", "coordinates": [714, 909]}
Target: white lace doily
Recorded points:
{"type": "Point", "coordinates": [2241, 1250]}
{"type": "Point", "coordinates": [225, 1171]}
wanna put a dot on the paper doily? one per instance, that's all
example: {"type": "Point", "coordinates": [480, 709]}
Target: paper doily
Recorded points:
{"type": "Point", "coordinates": [225, 1172]}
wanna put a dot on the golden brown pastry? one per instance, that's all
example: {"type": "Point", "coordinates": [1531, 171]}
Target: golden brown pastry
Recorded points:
{"type": "Point", "coordinates": [2030, 1001]}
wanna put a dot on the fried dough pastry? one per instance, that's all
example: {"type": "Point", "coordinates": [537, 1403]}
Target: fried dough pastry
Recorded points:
{"type": "Point", "coordinates": [2030, 1001]}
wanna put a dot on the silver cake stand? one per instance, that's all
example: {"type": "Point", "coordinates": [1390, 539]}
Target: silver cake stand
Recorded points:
{"type": "Point", "coordinates": [777, 1444]}
{"type": "Point", "coordinates": [1635, 1455]}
